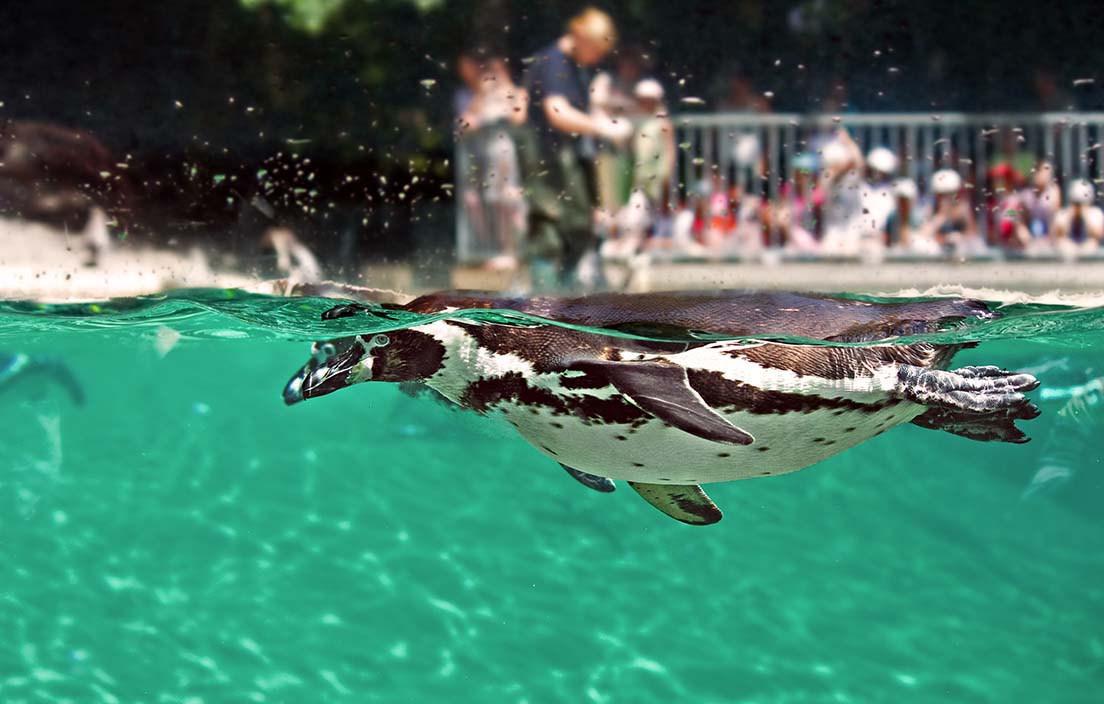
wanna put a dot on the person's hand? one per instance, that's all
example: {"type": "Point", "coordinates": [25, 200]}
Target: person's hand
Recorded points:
{"type": "Point", "coordinates": [616, 131]}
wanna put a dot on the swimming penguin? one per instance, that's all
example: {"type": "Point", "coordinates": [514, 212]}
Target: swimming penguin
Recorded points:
{"type": "Point", "coordinates": [668, 416]}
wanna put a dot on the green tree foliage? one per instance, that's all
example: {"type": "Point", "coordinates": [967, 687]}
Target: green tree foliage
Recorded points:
{"type": "Point", "coordinates": [312, 15]}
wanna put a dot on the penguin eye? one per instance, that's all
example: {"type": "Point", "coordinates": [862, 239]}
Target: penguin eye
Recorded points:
{"type": "Point", "coordinates": [380, 341]}
{"type": "Point", "coordinates": [328, 349]}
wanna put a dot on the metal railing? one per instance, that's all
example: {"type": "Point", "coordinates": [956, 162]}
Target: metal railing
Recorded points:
{"type": "Point", "coordinates": [759, 153]}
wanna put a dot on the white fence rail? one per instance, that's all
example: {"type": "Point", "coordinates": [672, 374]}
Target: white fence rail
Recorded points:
{"type": "Point", "coordinates": [758, 153]}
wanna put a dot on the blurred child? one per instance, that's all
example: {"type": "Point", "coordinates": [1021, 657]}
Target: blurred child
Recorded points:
{"type": "Point", "coordinates": [653, 144]}
{"type": "Point", "coordinates": [951, 227]}
{"type": "Point", "coordinates": [903, 220]}
{"type": "Point", "coordinates": [1042, 199]}
{"type": "Point", "coordinates": [1078, 227]}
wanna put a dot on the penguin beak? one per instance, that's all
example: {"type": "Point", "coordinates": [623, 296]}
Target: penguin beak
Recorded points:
{"type": "Point", "coordinates": [333, 365]}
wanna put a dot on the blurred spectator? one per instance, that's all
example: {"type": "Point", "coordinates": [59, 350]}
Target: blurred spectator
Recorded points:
{"type": "Point", "coordinates": [740, 96]}
{"type": "Point", "coordinates": [841, 186]}
{"type": "Point", "coordinates": [653, 143]}
{"type": "Point", "coordinates": [721, 220]}
{"type": "Point", "coordinates": [633, 223]}
{"type": "Point", "coordinates": [1052, 96]}
{"type": "Point", "coordinates": [489, 106]}
{"type": "Point", "coordinates": [878, 199]}
{"type": "Point", "coordinates": [1011, 218]}
{"type": "Point", "coordinates": [951, 225]}
{"type": "Point", "coordinates": [653, 163]}
{"type": "Point", "coordinates": [793, 216]}
{"type": "Point", "coordinates": [1079, 227]}
{"type": "Point", "coordinates": [1010, 147]}
{"type": "Point", "coordinates": [561, 181]}
{"type": "Point", "coordinates": [751, 218]}
{"type": "Point", "coordinates": [686, 225]}
{"type": "Point", "coordinates": [612, 95]}
{"type": "Point", "coordinates": [1042, 199]}
{"type": "Point", "coordinates": [903, 220]}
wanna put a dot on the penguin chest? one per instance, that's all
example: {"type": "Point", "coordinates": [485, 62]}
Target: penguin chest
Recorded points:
{"type": "Point", "coordinates": [603, 433]}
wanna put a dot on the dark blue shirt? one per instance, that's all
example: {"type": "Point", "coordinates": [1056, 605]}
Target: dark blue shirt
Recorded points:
{"type": "Point", "coordinates": [552, 72]}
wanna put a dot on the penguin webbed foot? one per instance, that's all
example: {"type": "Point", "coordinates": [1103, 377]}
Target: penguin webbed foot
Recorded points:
{"type": "Point", "coordinates": [978, 390]}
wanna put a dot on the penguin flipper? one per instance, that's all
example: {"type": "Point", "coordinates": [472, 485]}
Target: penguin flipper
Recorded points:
{"type": "Point", "coordinates": [663, 389]}
{"type": "Point", "coordinates": [687, 503]}
{"type": "Point", "coordinates": [591, 481]}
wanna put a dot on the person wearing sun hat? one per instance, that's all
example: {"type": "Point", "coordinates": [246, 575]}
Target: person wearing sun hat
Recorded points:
{"type": "Point", "coordinates": [951, 225]}
{"type": "Point", "coordinates": [653, 143]}
{"type": "Point", "coordinates": [878, 194]}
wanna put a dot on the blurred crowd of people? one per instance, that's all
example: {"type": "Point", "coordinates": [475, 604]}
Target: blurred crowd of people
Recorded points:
{"type": "Point", "coordinates": [839, 202]}
{"type": "Point", "coordinates": [573, 162]}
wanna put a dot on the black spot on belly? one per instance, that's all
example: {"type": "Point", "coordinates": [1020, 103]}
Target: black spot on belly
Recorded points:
{"type": "Point", "coordinates": [765, 473]}
{"type": "Point", "coordinates": [830, 442]}
{"type": "Point", "coordinates": [621, 437]}
{"type": "Point", "coordinates": [849, 430]}
{"type": "Point", "coordinates": [818, 439]}
{"type": "Point", "coordinates": [556, 425]}
{"type": "Point", "coordinates": [549, 450]}
{"type": "Point", "coordinates": [763, 449]}
{"type": "Point", "coordinates": [637, 464]}
{"type": "Point", "coordinates": [723, 454]}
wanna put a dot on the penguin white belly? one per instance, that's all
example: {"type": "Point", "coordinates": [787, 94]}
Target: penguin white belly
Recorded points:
{"type": "Point", "coordinates": [569, 425]}
{"type": "Point", "coordinates": [656, 452]}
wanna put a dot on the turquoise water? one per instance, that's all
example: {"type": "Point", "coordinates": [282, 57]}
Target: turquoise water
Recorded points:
{"type": "Point", "coordinates": [185, 537]}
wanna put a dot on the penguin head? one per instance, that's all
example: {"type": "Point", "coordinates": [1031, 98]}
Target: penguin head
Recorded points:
{"type": "Point", "coordinates": [401, 355]}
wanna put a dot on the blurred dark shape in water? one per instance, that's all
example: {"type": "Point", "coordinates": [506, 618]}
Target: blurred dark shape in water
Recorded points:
{"type": "Point", "coordinates": [1072, 436]}
{"type": "Point", "coordinates": [19, 371]}
{"type": "Point", "coordinates": [31, 446]}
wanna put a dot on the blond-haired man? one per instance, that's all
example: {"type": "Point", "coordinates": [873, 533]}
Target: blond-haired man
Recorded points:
{"type": "Point", "coordinates": [560, 164]}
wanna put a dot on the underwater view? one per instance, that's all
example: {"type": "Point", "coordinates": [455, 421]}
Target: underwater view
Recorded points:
{"type": "Point", "coordinates": [172, 531]}
{"type": "Point", "coordinates": [499, 352]}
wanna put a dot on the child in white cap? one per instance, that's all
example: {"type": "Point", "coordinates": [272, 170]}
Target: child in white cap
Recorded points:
{"type": "Point", "coordinates": [1078, 227]}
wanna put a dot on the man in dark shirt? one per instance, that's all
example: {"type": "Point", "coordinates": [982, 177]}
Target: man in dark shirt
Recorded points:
{"type": "Point", "coordinates": [559, 167]}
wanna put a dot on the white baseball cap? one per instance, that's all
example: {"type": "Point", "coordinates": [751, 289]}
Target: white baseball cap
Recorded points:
{"type": "Point", "coordinates": [834, 155]}
{"type": "Point", "coordinates": [905, 188]}
{"type": "Point", "coordinates": [648, 89]}
{"type": "Point", "coordinates": [746, 151]}
{"type": "Point", "coordinates": [1081, 191]}
{"type": "Point", "coordinates": [883, 160]}
{"type": "Point", "coordinates": [946, 181]}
